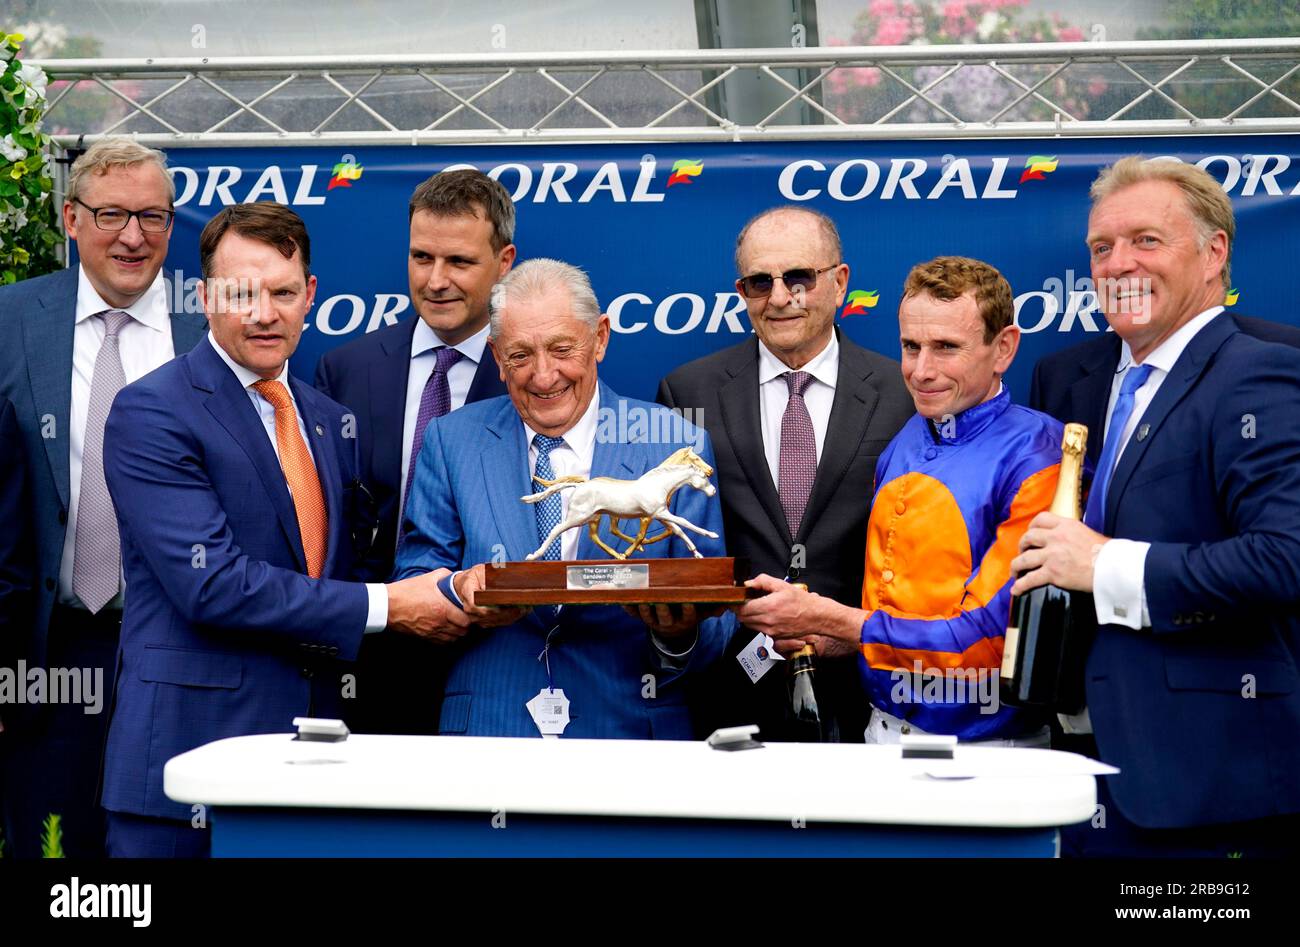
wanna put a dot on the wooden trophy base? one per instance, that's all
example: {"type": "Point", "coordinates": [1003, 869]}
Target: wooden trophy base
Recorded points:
{"type": "Point", "coordinates": [717, 580]}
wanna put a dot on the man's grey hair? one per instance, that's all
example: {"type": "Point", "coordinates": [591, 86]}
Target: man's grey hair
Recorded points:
{"type": "Point", "coordinates": [115, 153]}
{"type": "Point", "coordinates": [537, 276]}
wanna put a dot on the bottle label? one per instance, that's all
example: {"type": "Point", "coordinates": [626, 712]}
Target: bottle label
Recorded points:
{"type": "Point", "coordinates": [1010, 644]}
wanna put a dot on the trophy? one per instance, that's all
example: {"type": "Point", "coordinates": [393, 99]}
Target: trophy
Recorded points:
{"type": "Point", "coordinates": [697, 580]}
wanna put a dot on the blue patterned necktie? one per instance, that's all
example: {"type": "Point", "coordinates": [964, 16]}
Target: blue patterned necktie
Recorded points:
{"type": "Point", "coordinates": [550, 511]}
{"type": "Point", "coordinates": [1095, 516]}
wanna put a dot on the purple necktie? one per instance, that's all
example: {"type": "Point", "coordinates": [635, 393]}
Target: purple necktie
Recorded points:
{"type": "Point", "coordinates": [97, 548]}
{"type": "Point", "coordinates": [798, 465]}
{"type": "Point", "coordinates": [435, 401]}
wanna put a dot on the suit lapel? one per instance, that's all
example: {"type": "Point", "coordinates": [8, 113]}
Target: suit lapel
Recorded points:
{"type": "Point", "coordinates": [487, 381]}
{"type": "Point", "coordinates": [739, 401]}
{"type": "Point", "coordinates": [1189, 367]}
{"type": "Point", "coordinates": [229, 404]}
{"type": "Point", "coordinates": [327, 470]}
{"type": "Point", "coordinates": [505, 477]}
{"type": "Point", "coordinates": [855, 402]}
{"type": "Point", "coordinates": [388, 380]}
{"type": "Point", "coordinates": [47, 336]}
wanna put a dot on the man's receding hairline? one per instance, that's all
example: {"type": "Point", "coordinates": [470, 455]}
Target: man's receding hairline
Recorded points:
{"type": "Point", "coordinates": [765, 218]}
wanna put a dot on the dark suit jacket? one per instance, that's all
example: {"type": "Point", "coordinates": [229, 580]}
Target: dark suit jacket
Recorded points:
{"type": "Point", "coordinates": [223, 634]}
{"type": "Point", "coordinates": [1073, 385]}
{"type": "Point", "coordinates": [871, 405]}
{"type": "Point", "coordinates": [17, 552]}
{"type": "Point", "coordinates": [37, 318]}
{"type": "Point", "coordinates": [398, 676]}
{"type": "Point", "coordinates": [1201, 710]}
{"type": "Point", "coordinates": [369, 375]}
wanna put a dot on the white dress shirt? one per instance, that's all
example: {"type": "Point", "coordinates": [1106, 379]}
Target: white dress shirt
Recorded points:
{"type": "Point", "coordinates": [774, 395]}
{"type": "Point", "coordinates": [573, 459]}
{"type": "Point", "coordinates": [459, 379]}
{"type": "Point", "coordinates": [1119, 574]}
{"type": "Point", "coordinates": [145, 343]}
{"type": "Point", "coordinates": [376, 592]}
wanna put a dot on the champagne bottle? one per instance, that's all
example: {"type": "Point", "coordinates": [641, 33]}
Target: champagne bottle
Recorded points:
{"type": "Point", "coordinates": [806, 724]}
{"type": "Point", "coordinates": [806, 718]}
{"type": "Point", "coordinates": [1050, 629]}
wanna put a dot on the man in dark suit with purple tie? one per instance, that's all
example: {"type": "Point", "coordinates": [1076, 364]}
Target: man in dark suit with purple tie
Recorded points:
{"type": "Point", "coordinates": [398, 379]}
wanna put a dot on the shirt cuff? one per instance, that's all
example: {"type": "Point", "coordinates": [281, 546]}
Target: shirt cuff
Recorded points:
{"type": "Point", "coordinates": [377, 610]}
{"type": "Point", "coordinates": [447, 586]}
{"type": "Point", "coordinates": [1119, 584]}
{"type": "Point", "coordinates": [673, 659]}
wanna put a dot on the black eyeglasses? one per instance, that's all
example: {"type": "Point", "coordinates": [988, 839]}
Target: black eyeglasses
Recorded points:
{"type": "Point", "coordinates": [759, 286]}
{"type": "Point", "coordinates": [115, 218]}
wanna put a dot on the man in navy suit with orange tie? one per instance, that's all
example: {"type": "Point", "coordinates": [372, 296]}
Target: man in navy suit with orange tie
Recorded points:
{"type": "Point", "coordinates": [235, 487]}
{"type": "Point", "coordinates": [1190, 544]}
{"type": "Point", "coordinates": [396, 380]}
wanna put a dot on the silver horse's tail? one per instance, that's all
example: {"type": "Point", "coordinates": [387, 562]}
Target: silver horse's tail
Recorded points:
{"type": "Point", "coordinates": [552, 487]}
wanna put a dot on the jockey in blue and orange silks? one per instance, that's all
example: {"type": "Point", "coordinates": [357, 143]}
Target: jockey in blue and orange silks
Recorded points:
{"type": "Point", "coordinates": [955, 491]}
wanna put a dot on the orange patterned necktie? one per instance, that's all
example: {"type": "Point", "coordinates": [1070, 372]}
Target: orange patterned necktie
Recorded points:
{"type": "Point", "coordinates": [300, 472]}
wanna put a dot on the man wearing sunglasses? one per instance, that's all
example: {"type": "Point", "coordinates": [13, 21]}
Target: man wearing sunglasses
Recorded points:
{"type": "Point", "coordinates": [68, 342]}
{"type": "Point", "coordinates": [798, 416]}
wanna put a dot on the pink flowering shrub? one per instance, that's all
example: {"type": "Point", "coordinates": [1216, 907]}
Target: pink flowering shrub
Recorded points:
{"type": "Point", "coordinates": [855, 94]}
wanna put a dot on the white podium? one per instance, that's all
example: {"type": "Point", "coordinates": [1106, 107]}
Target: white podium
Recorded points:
{"type": "Point", "coordinates": [272, 795]}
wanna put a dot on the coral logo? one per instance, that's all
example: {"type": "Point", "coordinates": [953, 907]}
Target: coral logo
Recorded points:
{"type": "Point", "coordinates": [1036, 167]}
{"type": "Point", "coordinates": [859, 302]}
{"type": "Point", "coordinates": [345, 172]}
{"type": "Point", "coordinates": [684, 170]}
{"type": "Point", "coordinates": [1231, 298]}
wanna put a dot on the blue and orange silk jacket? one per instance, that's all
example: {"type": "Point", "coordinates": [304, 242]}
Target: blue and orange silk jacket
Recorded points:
{"type": "Point", "coordinates": [951, 503]}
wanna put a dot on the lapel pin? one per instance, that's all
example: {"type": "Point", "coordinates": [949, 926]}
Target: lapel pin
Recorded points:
{"type": "Point", "coordinates": [320, 431]}
{"type": "Point", "coordinates": [1143, 431]}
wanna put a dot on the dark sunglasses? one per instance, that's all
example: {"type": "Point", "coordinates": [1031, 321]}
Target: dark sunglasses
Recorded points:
{"type": "Point", "coordinates": [760, 285]}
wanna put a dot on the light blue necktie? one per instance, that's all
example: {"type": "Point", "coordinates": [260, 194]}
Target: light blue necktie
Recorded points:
{"type": "Point", "coordinates": [550, 511]}
{"type": "Point", "coordinates": [1095, 516]}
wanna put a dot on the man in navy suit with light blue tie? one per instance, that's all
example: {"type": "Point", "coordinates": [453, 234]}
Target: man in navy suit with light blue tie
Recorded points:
{"type": "Point", "coordinates": [604, 672]}
{"type": "Point", "coordinates": [237, 499]}
{"type": "Point", "coordinates": [396, 380]}
{"type": "Point", "coordinates": [68, 342]}
{"type": "Point", "coordinates": [1190, 543]}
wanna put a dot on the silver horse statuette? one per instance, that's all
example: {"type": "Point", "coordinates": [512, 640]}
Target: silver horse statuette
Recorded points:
{"type": "Point", "coordinates": [645, 498]}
